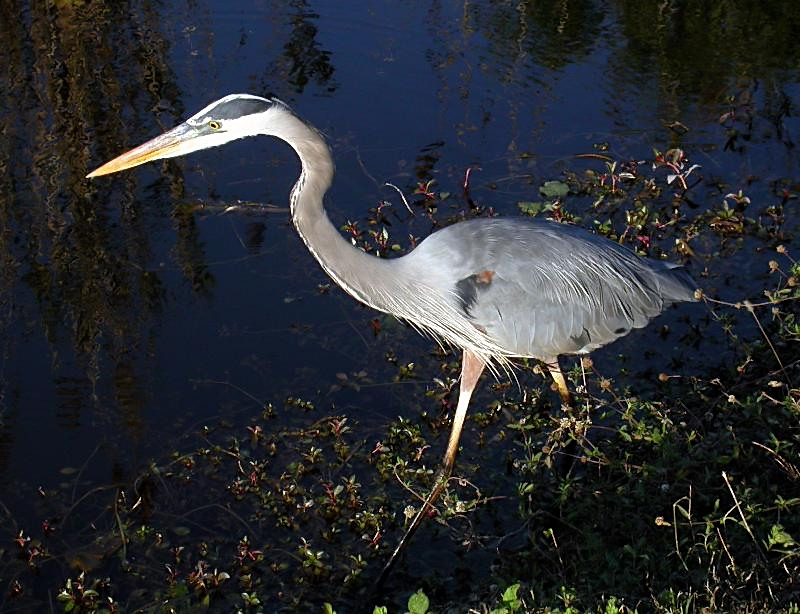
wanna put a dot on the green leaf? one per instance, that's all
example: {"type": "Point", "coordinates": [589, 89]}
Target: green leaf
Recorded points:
{"type": "Point", "coordinates": [510, 594]}
{"type": "Point", "coordinates": [554, 189]}
{"type": "Point", "coordinates": [418, 603]}
{"type": "Point", "coordinates": [779, 536]}
{"type": "Point", "coordinates": [509, 602]}
{"type": "Point", "coordinates": [531, 208]}
{"type": "Point", "coordinates": [327, 608]}
{"type": "Point", "coordinates": [380, 609]}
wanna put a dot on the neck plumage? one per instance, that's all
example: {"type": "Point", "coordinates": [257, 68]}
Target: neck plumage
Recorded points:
{"type": "Point", "coordinates": [400, 286]}
{"type": "Point", "coordinates": [359, 274]}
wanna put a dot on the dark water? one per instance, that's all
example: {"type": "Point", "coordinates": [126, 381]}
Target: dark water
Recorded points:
{"type": "Point", "coordinates": [128, 316]}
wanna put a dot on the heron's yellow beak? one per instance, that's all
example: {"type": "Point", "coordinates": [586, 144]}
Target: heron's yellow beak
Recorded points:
{"type": "Point", "coordinates": [168, 145]}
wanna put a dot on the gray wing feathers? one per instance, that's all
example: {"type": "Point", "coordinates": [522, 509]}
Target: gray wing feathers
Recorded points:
{"type": "Point", "coordinates": [555, 289]}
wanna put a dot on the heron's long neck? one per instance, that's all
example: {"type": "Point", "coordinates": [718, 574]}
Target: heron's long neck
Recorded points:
{"type": "Point", "coordinates": [398, 286]}
{"type": "Point", "coordinates": [358, 273]}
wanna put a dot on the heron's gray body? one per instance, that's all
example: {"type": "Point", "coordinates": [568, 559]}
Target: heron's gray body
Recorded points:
{"type": "Point", "coordinates": [540, 289]}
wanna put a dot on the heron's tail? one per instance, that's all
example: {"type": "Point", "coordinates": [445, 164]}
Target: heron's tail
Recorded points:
{"type": "Point", "coordinates": [675, 283]}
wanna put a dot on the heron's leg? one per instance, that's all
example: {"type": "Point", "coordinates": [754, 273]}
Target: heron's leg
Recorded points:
{"type": "Point", "coordinates": [471, 369]}
{"type": "Point", "coordinates": [558, 377]}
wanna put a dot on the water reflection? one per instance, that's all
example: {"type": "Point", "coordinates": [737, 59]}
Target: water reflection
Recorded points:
{"type": "Point", "coordinates": [537, 36]}
{"type": "Point", "coordinates": [85, 81]}
{"type": "Point", "coordinates": [676, 60]}
{"type": "Point", "coordinates": [75, 74]}
{"type": "Point", "coordinates": [304, 59]}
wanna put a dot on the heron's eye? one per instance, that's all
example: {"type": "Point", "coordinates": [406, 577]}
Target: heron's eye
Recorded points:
{"type": "Point", "coordinates": [214, 124]}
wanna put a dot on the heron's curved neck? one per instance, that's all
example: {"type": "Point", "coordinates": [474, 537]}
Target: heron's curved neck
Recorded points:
{"type": "Point", "coordinates": [360, 274]}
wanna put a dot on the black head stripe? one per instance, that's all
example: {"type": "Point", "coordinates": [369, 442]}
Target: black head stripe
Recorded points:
{"type": "Point", "coordinates": [238, 107]}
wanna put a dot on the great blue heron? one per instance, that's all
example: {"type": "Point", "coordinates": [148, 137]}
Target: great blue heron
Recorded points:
{"type": "Point", "coordinates": [496, 288]}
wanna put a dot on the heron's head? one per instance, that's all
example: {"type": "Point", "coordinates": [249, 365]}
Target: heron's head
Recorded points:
{"type": "Point", "coordinates": [233, 117]}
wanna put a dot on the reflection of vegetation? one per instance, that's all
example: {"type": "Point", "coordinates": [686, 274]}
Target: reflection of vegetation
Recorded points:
{"type": "Point", "coordinates": [189, 252]}
{"type": "Point", "coordinates": [66, 67]}
{"type": "Point", "coordinates": [693, 51]}
{"type": "Point", "coordinates": [699, 43]}
{"type": "Point", "coordinates": [705, 44]}
{"type": "Point", "coordinates": [669, 54]}
{"type": "Point", "coordinates": [304, 61]}
{"type": "Point", "coordinates": [550, 34]}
